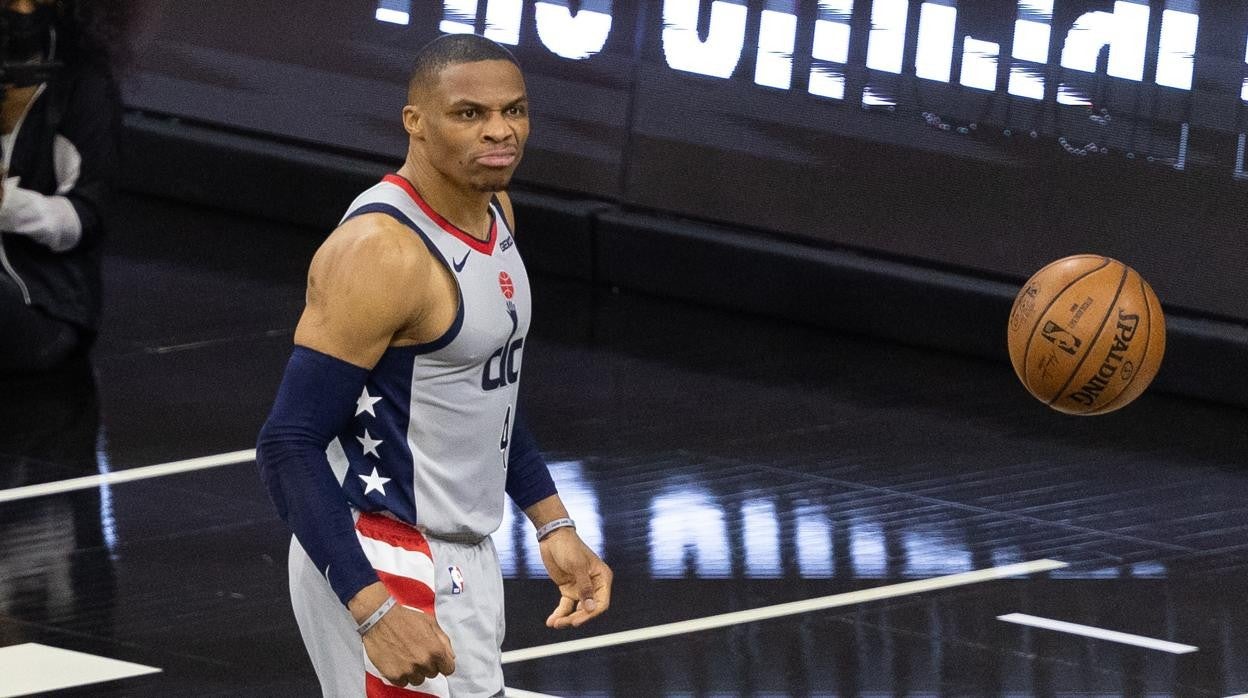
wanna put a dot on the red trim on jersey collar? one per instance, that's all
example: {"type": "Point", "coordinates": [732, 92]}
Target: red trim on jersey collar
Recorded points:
{"type": "Point", "coordinates": [484, 247]}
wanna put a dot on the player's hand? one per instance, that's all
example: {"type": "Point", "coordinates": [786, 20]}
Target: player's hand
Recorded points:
{"type": "Point", "coordinates": [584, 580]}
{"type": "Point", "coordinates": [407, 646]}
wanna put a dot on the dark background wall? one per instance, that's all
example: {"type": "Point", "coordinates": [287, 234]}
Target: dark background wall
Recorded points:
{"type": "Point", "coordinates": [908, 207]}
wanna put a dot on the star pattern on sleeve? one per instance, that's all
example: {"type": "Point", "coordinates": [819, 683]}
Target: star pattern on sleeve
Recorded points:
{"type": "Point", "coordinates": [374, 482]}
{"type": "Point", "coordinates": [365, 403]}
{"type": "Point", "coordinates": [370, 444]}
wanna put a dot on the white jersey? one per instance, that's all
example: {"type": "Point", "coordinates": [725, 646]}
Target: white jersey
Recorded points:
{"type": "Point", "coordinates": [429, 440]}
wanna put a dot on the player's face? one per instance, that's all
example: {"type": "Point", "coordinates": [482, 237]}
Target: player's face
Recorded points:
{"type": "Point", "coordinates": [474, 124]}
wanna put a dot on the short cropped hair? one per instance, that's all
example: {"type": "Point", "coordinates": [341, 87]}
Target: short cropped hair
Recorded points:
{"type": "Point", "coordinates": [452, 49]}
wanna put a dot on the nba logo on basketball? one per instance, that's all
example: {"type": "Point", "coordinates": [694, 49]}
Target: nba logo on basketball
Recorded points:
{"type": "Point", "coordinates": [1122, 326]}
{"type": "Point", "coordinates": [457, 580]}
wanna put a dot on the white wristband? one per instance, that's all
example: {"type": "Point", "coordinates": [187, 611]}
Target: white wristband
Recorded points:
{"type": "Point", "coordinates": [552, 525]}
{"type": "Point", "coordinates": [372, 620]}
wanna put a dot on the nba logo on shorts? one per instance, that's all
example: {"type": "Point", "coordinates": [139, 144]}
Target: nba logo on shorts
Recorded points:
{"type": "Point", "coordinates": [457, 580]}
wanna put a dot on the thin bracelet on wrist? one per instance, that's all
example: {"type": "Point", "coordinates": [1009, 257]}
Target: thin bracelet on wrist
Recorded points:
{"type": "Point", "coordinates": [550, 526]}
{"type": "Point", "coordinates": [373, 619]}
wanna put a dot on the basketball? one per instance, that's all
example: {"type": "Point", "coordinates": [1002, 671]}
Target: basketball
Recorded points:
{"type": "Point", "coordinates": [1086, 335]}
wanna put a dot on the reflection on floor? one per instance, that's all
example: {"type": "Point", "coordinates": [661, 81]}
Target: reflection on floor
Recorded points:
{"type": "Point", "coordinates": [719, 463]}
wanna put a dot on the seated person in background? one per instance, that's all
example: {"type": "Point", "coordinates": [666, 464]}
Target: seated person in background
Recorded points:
{"type": "Point", "coordinates": [59, 128]}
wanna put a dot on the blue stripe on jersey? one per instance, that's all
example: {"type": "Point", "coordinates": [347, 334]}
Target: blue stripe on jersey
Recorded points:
{"type": "Point", "coordinates": [453, 331]}
{"type": "Point", "coordinates": [375, 440]}
{"type": "Point", "coordinates": [384, 431]}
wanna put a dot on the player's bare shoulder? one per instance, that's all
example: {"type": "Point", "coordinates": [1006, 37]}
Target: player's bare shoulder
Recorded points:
{"type": "Point", "coordinates": [367, 287]}
{"type": "Point", "coordinates": [372, 254]}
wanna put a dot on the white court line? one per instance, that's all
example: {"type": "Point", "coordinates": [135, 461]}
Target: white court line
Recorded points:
{"type": "Point", "coordinates": [517, 693]}
{"type": "Point", "coordinates": [1098, 633]}
{"type": "Point", "coordinates": [89, 481]}
{"type": "Point", "coordinates": [32, 668]}
{"type": "Point", "coordinates": [780, 610]}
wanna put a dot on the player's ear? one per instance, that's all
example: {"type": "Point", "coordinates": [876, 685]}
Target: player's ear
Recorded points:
{"type": "Point", "coordinates": [413, 121]}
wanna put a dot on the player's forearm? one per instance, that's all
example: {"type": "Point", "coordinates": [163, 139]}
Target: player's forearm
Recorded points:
{"type": "Point", "coordinates": [367, 600]}
{"type": "Point", "coordinates": [549, 509]}
{"type": "Point", "coordinates": [528, 478]}
{"type": "Point", "coordinates": [314, 401]}
{"type": "Point", "coordinates": [310, 501]}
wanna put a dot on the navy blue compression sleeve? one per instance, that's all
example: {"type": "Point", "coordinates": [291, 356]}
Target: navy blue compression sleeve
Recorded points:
{"type": "Point", "coordinates": [316, 399]}
{"type": "Point", "coordinates": [528, 478]}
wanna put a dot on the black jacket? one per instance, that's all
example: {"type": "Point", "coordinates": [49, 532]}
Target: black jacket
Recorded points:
{"type": "Point", "coordinates": [83, 106]}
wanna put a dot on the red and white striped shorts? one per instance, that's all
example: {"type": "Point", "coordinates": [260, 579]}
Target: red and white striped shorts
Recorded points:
{"type": "Point", "coordinates": [459, 584]}
{"type": "Point", "coordinates": [404, 563]}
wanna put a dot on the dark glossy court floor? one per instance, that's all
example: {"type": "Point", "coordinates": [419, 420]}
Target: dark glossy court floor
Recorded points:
{"type": "Point", "coordinates": [718, 462]}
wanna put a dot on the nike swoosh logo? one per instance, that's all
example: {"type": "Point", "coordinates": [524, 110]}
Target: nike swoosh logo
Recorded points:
{"type": "Point", "coordinates": [459, 265]}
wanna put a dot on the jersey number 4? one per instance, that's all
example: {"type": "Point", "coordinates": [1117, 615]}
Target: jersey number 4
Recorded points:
{"type": "Point", "coordinates": [502, 443]}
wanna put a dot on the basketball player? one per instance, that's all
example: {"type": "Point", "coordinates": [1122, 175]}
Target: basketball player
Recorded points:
{"type": "Point", "coordinates": [395, 433]}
